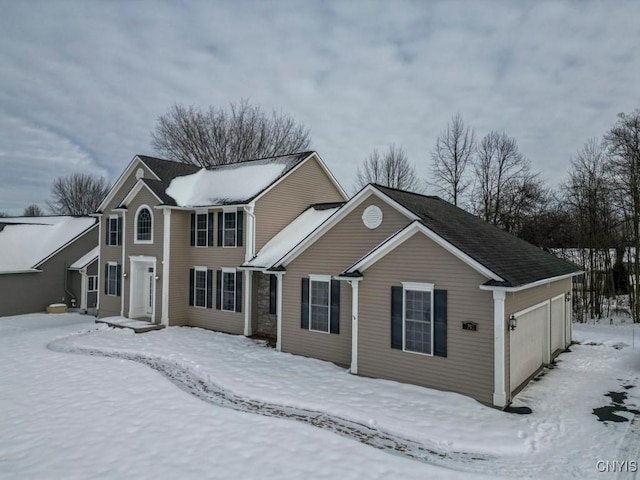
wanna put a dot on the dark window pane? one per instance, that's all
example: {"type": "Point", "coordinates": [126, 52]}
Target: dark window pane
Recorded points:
{"type": "Point", "coordinates": [144, 225]}
{"type": "Point", "coordinates": [229, 291]}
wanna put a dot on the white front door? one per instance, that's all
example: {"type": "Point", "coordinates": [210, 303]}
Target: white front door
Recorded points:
{"type": "Point", "coordinates": [148, 291]}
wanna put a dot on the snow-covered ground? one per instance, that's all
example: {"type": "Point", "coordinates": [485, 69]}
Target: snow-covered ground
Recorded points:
{"type": "Point", "coordinates": [79, 416]}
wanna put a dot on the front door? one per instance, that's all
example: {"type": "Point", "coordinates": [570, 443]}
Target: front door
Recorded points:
{"type": "Point", "coordinates": [148, 291]}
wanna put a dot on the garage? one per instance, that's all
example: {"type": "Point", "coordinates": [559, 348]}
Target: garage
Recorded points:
{"type": "Point", "coordinates": [557, 324]}
{"type": "Point", "coordinates": [527, 343]}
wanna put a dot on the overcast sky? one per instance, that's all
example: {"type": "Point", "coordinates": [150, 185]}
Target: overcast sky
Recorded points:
{"type": "Point", "coordinates": [82, 83]}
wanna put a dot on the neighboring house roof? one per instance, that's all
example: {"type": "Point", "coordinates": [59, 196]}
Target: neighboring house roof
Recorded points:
{"type": "Point", "coordinates": [517, 262]}
{"type": "Point", "coordinates": [25, 242]}
{"type": "Point", "coordinates": [86, 260]}
{"type": "Point", "coordinates": [292, 234]}
{"type": "Point", "coordinates": [235, 183]}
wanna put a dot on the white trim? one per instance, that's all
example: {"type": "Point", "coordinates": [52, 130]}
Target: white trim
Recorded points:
{"type": "Point", "coordinates": [108, 276]}
{"type": "Point", "coordinates": [417, 287]}
{"type": "Point", "coordinates": [133, 273]}
{"type": "Point", "coordinates": [499, 349]}
{"type": "Point", "coordinates": [135, 226]}
{"type": "Point", "coordinates": [201, 268]}
{"type": "Point", "coordinates": [531, 308]}
{"type": "Point", "coordinates": [84, 289]}
{"type": "Point", "coordinates": [134, 191]}
{"type": "Point", "coordinates": [95, 283]}
{"type": "Point", "coordinates": [166, 257]}
{"type": "Point", "coordinates": [233, 271]}
{"type": "Point", "coordinates": [537, 283]}
{"type": "Point", "coordinates": [229, 209]}
{"type": "Point", "coordinates": [319, 278]}
{"type": "Point", "coordinates": [557, 297]}
{"type": "Point", "coordinates": [247, 303]}
{"type": "Point", "coordinates": [405, 234]}
{"type": "Point", "coordinates": [224, 229]}
{"type": "Point", "coordinates": [347, 208]}
{"type": "Point", "coordinates": [81, 234]}
{"type": "Point", "coordinates": [354, 325]}
{"type": "Point", "coordinates": [109, 218]}
{"type": "Point", "coordinates": [279, 276]}
{"type": "Point", "coordinates": [124, 262]}
{"type": "Point", "coordinates": [121, 179]}
{"type": "Point", "coordinates": [100, 244]}
{"type": "Point", "coordinates": [206, 230]}
{"type": "Point", "coordinates": [250, 235]}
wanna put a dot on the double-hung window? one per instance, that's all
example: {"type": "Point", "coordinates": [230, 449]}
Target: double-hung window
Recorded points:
{"type": "Point", "coordinates": [92, 283]}
{"type": "Point", "coordinates": [229, 290]}
{"type": "Point", "coordinates": [113, 230]}
{"type": "Point", "coordinates": [417, 318]}
{"type": "Point", "coordinates": [201, 229]}
{"type": "Point", "coordinates": [229, 229]}
{"type": "Point", "coordinates": [200, 287]}
{"type": "Point", "coordinates": [112, 278]}
{"type": "Point", "coordinates": [319, 303]}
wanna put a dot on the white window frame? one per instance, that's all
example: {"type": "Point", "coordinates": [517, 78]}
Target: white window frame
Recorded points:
{"type": "Point", "coordinates": [108, 278]}
{"type": "Point", "coordinates": [318, 279]}
{"type": "Point", "coordinates": [109, 219]}
{"type": "Point", "coordinates": [225, 229]}
{"type": "Point", "coordinates": [419, 287]}
{"type": "Point", "coordinates": [206, 228]}
{"type": "Point", "coordinates": [135, 225]}
{"type": "Point", "coordinates": [92, 280]}
{"type": "Point", "coordinates": [195, 286]}
{"type": "Point", "coordinates": [227, 271]}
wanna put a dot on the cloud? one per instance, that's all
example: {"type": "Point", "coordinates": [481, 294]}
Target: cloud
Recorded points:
{"type": "Point", "coordinates": [92, 78]}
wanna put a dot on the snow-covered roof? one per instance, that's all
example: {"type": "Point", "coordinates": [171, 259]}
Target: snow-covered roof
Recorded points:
{"type": "Point", "coordinates": [26, 241]}
{"type": "Point", "coordinates": [229, 184]}
{"type": "Point", "coordinates": [292, 234]}
{"type": "Point", "coordinates": [86, 259]}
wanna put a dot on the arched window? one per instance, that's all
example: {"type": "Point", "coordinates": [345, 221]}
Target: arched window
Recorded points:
{"type": "Point", "coordinates": [144, 226]}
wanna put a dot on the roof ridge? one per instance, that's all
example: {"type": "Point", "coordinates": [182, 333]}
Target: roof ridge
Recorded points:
{"type": "Point", "coordinates": [433, 197]}
{"type": "Point", "coordinates": [213, 167]}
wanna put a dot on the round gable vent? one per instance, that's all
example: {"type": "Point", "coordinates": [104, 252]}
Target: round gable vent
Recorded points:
{"type": "Point", "coordinates": [139, 174]}
{"type": "Point", "coordinates": [372, 217]}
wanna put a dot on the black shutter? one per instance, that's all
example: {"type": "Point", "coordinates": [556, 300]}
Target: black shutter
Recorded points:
{"type": "Point", "coordinates": [396, 317]}
{"type": "Point", "coordinates": [334, 318]}
{"type": "Point", "coordinates": [209, 288]}
{"type": "Point", "coordinates": [220, 224]}
{"type": "Point", "coordinates": [107, 231]}
{"type": "Point", "coordinates": [119, 280]}
{"type": "Point", "coordinates": [304, 308]}
{"type": "Point", "coordinates": [239, 227]}
{"type": "Point", "coordinates": [106, 278]}
{"type": "Point", "coordinates": [238, 291]}
{"type": "Point", "coordinates": [218, 289]}
{"type": "Point", "coordinates": [193, 229]}
{"type": "Point", "coordinates": [119, 231]}
{"type": "Point", "coordinates": [192, 283]}
{"type": "Point", "coordinates": [273, 294]}
{"type": "Point", "coordinates": [440, 323]}
{"type": "Point", "coordinates": [210, 229]}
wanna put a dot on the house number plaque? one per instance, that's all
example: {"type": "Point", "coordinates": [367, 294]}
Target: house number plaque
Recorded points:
{"type": "Point", "coordinates": [471, 326]}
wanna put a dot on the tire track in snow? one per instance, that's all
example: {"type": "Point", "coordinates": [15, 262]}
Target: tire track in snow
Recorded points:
{"type": "Point", "coordinates": [211, 393]}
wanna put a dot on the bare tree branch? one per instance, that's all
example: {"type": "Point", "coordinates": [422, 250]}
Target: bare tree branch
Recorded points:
{"type": "Point", "coordinates": [33, 210]}
{"type": "Point", "coordinates": [392, 169]}
{"type": "Point", "coordinates": [77, 194]}
{"type": "Point", "coordinates": [218, 136]}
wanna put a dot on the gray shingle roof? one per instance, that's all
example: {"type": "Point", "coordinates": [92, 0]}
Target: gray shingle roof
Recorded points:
{"type": "Point", "coordinates": [511, 258]}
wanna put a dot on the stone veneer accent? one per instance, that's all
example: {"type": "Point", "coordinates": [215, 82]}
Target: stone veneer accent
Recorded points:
{"type": "Point", "coordinates": [266, 323]}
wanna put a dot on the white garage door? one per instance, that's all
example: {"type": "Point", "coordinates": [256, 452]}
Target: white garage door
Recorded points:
{"type": "Point", "coordinates": [527, 349]}
{"type": "Point", "coordinates": [557, 324]}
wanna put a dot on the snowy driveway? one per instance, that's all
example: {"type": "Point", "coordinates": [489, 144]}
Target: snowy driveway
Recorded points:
{"type": "Point", "coordinates": [75, 416]}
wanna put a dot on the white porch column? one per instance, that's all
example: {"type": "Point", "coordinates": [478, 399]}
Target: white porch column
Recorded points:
{"type": "Point", "coordinates": [101, 281]}
{"type": "Point", "coordinates": [124, 263]}
{"type": "Point", "coordinates": [248, 275]}
{"type": "Point", "coordinates": [354, 325]}
{"type": "Point", "coordinates": [166, 255]}
{"type": "Point", "coordinates": [279, 312]}
{"type": "Point", "coordinates": [499, 383]}
{"type": "Point", "coordinates": [83, 289]}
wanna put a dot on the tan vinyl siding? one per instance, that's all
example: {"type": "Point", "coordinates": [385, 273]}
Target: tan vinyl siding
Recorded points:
{"type": "Point", "coordinates": [336, 250]}
{"type": "Point", "coordinates": [109, 304]}
{"type": "Point", "coordinates": [144, 197]}
{"type": "Point", "coordinates": [307, 185]}
{"type": "Point", "coordinates": [183, 258]}
{"type": "Point", "coordinates": [517, 301]}
{"type": "Point", "coordinates": [468, 366]}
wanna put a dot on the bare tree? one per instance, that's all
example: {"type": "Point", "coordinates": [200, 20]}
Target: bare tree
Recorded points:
{"type": "Point", "coordinates": [390, 169]}
{"type": "Point", "coordinates": [452, 153]}
{"type": "Point", "coordinates": [499, 167]}
{"type": "Point", "coordinates": [623, 142]}
{"type": "Point", "coordinates": [3, 214]}
{"type": "Point", "coordinates": [77, 194]}
{"type": "Point", "coordinates": [32, 210]}
{"type": "Point", "coordinates": [219, 136]}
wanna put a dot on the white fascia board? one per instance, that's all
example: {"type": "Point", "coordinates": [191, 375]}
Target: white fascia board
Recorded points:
{"type": "Point", "coordinates": [532, 284]}
{"type": "Point", "coordinates": [330, 175]}
{"type": "Point", "coordinates": [13, 272]}
{"type": "Point", "coordinates": [135, 190]}
{"type": "Point", "coordinates": [343, 278]}
{"type": "Point", "coordinates": [399, 238]}
{"type": "Point", "coordinates": [342, 212]}
{"type": "Point", "coordinates": [121, 179]}
{"type": "Point", "coordinates": [65, 246]}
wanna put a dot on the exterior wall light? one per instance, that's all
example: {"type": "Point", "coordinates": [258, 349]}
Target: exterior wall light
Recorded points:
{"type": "Point", "coordinates": [567, 296]}
{"type": "Point", "coordinates": [124, 275]}
{"type": "Point", "coordinates": [513, 322]}
{"type": "Point", "coordinates": [157, 277]}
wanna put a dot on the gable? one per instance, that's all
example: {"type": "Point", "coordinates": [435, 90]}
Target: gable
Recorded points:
{"type": "Point", "coordinates": [124, 184]}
